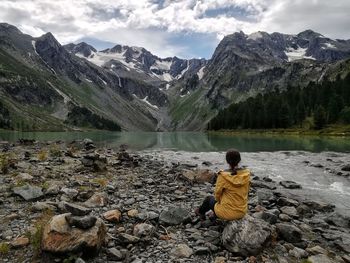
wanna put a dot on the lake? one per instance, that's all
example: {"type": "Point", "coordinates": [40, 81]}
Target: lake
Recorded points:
{"type": "Point", "coordinates": [193, 141]}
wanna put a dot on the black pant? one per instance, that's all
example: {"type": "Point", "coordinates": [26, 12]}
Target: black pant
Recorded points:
{"type": "Point", "coordinates": [208, 204]}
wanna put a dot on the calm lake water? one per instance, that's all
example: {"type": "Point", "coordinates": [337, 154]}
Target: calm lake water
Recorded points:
{"type": "Point", "coordinates": [192, 141]}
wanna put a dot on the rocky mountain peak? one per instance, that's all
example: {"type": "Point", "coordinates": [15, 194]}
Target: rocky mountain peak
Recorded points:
{"type": "Point", "coordinates": [309, 34]}
{"type": "Point", "coordinates": [82, 48]}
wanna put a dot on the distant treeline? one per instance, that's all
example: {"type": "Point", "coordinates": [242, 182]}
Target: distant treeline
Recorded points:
{"type": "Point", "coordinates": [5, 121]}
{"type": "Point", "coordinates": [82, 117]}
{"type": "Point", "coordinates": [315, 106]}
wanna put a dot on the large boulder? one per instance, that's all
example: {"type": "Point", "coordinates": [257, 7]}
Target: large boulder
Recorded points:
{"type": "Point", "coordinates": [60, 237]}
{"type": "Point", "coordinates": [174, 216]}
{"type": "Point", "coordinates": [247, 236]}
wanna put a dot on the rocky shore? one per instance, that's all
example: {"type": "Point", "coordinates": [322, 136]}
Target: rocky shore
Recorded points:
{"type": "Point", "coordinates": [73, 202]}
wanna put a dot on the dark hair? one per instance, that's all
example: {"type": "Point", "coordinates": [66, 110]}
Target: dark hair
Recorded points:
{"type": "Point", "coordinates": [233, 157]}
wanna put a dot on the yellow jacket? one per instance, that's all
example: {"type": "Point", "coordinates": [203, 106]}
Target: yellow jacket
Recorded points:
{"type": "Point", "coordinates": [231, 194]}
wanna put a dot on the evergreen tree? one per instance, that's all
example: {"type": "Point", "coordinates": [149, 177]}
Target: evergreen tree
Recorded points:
{"type": "Point", "coordinates": [320, 117]}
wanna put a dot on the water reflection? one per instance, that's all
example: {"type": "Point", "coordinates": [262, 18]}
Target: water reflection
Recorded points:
{"type": "Point", "coordinates": [192, 141]}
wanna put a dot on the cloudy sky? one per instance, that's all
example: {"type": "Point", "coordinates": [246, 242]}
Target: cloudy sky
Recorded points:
{"type": "Point", "coordinates": [186, 28]}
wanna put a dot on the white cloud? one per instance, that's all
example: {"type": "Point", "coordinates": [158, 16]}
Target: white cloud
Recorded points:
{"type": "Point", "coordinates": [149, 23]}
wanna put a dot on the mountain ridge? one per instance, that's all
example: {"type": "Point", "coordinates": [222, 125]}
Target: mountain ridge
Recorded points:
{"type": "Point", "coordinates": [140, 91]}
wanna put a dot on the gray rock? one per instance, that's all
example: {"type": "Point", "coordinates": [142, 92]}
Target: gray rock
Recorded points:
{"type": "Point", "coordinates": [181, 251]}
{"type": "Point", "coordinates": [42, 206]}
{"type": "Point", "coordinates": [29, 192]}
{"type": "Point", "coordinates": [76, 210]}
{"type": "Point", "coordinates": [283, 201]}
{"type": "Point", "coordinates": [289, 210]}
{"type": "Point", "coordinates": [290, 185]}
{"type": "Point", "coordinates": [319, 259]}
{"type": "Point", "coordinates": [70, 192]}
{"type": "Point", "coordinates": [289, 232]}
{"type": "Point", "coordinates": [147, 216]}
{"type": "Point", "coordinates": [114, 254]}
{"type": "Point", "coordinates": [298, 253]}
{"type": "Point", "coordinates": [319, 206]}
{"type": "Point", "coordinates": [174, 216]}
{"type": "Point", "coordinates": [266, 216]}
{"type": "Point", "coordinates": [346, 168]}
{"type": "Point", "coordinates": [127, 239]}
{"type": "Point", "coordinates": [84, 222]}
{"type": "Point", "coordinates": [338, 220]}
{"type": "Point", "coordinates": [143, 230]}
{"type": "Point", "coordinates": [246, 236]}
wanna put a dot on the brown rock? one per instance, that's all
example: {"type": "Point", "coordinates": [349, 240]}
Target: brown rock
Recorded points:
{"type": "Point", "coordinates": [20, 242]}
{"type": "Point", "coordinates": [199, 176]}
{"type": "Point", "coordinates": [113, 216]}
{"type": "Point", "coordinates": [59, 237]}
{"type": "Point", "coordinates": [97, 200]}
{"type": "Point", "coordinates": [133, 213]}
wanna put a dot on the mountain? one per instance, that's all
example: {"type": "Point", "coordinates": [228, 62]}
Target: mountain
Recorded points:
{"type": "Point", "coordinates": [47, 86]}
{"type": "Point", "coordinates": [43, 86]}
{"type": "Point", "coordinates": [139, 60]}
{"type": "Point", "coordinates": [245, 65]}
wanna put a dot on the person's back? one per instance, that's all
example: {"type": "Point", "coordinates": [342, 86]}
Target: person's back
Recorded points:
{"type": "Point", "coordinates": [230, 200]}
{"type": "Point", "coordinates": [231, 194]}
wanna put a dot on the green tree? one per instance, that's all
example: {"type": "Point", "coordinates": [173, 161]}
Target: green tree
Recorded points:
{"type": "Point", "coordinates": [320, 117]}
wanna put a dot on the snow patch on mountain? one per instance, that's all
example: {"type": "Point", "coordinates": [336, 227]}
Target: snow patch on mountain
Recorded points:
{"type": "Point", "coordinates": [255, 36]}
{"type": "Point", "coordinates": [296, 54]}
{"type": "Point", "coordinates": [200, 73]}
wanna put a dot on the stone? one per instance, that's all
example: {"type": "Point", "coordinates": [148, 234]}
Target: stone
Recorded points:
{"type": "Point", "coordinates": [97, 200]}
{"type": "Point", "coordinates": [174, 216]}
{"type": "Point", "coordinates": [113, 216]}
{"type": "Point", "coordinates": [220, 260]}
{"type": "Point", "coordinates": [247, 236]}
{"type": "Point", "coordinates": [201, 250]}
{"type": "Point", "coordinates": [289, 232]}
{"type": "Point", "coordinates": [147, 216]}
{"type": "Point", "coordinates": [114, 254]}
{"type": "Point", "coordinates": [319, 206]}
{"type": "Point", "coordinates": [199, 176]}
{"type": "Point", "coordinates": [336, 219]}
{"type": "Point", "coordinates": [289, 210]}
{"type": "Point", "coordinates": [143, 230]}
{"type": "Point", "coordinates": [316, 250]}
{"type": "Point", "coordinates": [84, 222]}
{"type": "Point", "coordinates": [346, 168]}
{"type": "Point", "coordinates": [266, 216]}
{"type": "Point", "coordinates": [42, 206]}
{"type": "Point", "coordinates": [20, 242]}
{"type": "Point", "coordinates": [25, 176]}
{"type": "Point", "coordinates": [283, 201]}
{"type": "Point", "coordinates": [298, 253]}
{"type": "Point", "coordinates": [264, 195]}
{"type": "Point", "coordinates": [319, 259]}
{"type": "Point", "coordinates": [28, 192]}
{"type": "Point", "coordinates": [181, 251]}
{"type": "Point", "coordinates": [95, 161]}
{"type": "Point", "coordinates": [76, 210]}
{"type": "Point", "coordinates": [132, 213]}
{"type": "Point", "coordinates": [70, 192]}
{"type": "Point", "coordinates": [290, 185]}
{"type": "Point", "coordinates": [60, 237]}
{"type": "Point", "coordinates": [285, 218]}
{"type": "Point", "coordinates": [125, 238]}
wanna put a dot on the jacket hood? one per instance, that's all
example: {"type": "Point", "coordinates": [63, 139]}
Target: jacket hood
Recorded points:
{"type": "Point", "coordinates": [241, 178]}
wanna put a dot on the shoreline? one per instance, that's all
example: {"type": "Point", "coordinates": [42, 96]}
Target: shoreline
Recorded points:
{"type": "Point", "coordinates": [142, 188]}
{"type": "Point", "coordinates": [332, 131]}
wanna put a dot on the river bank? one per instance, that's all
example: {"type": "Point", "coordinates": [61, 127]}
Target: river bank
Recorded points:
{"type": "Point", "coordinates": [142, 204]}
{"type": "Point", "coordinates": [331, 130]}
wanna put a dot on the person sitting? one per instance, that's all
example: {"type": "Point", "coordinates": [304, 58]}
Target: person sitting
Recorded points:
{"type": "Point", "coordinates": [230, 200]}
